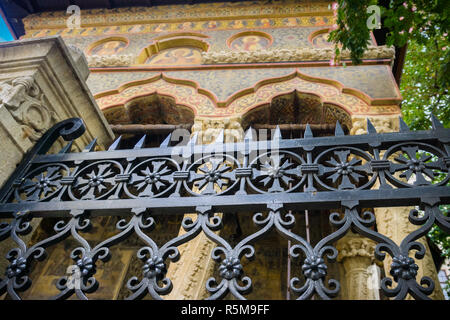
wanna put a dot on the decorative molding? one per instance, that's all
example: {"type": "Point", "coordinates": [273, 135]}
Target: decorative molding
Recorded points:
{"type": "Point", "coordinates": [290, 54]}
{"type": "Point", "coordinates": [260, 56]}
{"type": "Point", "coordinates": [204, 104]}
{"type": "Point", "coordinates": [173, 13]}
{"type": "Point", "coordinates": [24, 100]}
{"type": "Point", "coordinates": [124, 60]}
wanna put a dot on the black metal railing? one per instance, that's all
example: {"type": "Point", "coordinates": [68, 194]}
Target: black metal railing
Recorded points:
{"type": "Point", "coordinates": [271, 178]}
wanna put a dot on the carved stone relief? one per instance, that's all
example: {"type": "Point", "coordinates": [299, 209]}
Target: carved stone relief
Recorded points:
{"type": "Point", "coordinates": [122, 60]}
{"type": "Point", "coordinates": [25, 101]}
{"type": "Point", "coordinates": [209, 129]}
{"type": "Point", "coordinates": [290, 54]}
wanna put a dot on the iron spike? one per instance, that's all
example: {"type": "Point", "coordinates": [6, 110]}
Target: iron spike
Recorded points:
{"type": "Point", "coordinates": [338, 130]}
{"type": "Point", "coordinates": [249, 134]}
{"type": "Point", "coordinates": [220, 137]}
{"type": "Point", "coordinates": [91, 146]}
{"type": "Point", "coordinates": [402, 125]}
{"type": "Point", "coordinates": [140, 143]}
{"type": "Point", "coordinates": [115, 144]}
{"type": "Point", "coordinates": [370, 128]}
{"type": "Point", "coordinates": [67, 148]}
{"type": "Point", "coordinates": [308, 133]}
{"type": "Point", "coordinates": [166, 141]}
{"type": "Point", "coordinates": [277, 135]}
{"type": "Point", "coordinates": [436, 123]}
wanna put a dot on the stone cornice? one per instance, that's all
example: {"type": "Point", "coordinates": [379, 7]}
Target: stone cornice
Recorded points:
{"type": "Point", "coordinates": [290, 54]}
{"type": "Point", "coordinates": [171, 13]}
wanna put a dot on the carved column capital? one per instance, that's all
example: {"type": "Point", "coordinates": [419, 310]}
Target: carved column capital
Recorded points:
{"type": "Point", "coordinates": [356, 255]}
{"type": "Point", "coordinates": [209, 129]}
{"type": "Point", "coordinates": [382, 124]}
{"type": "Point", "coordinates": [354, 245]}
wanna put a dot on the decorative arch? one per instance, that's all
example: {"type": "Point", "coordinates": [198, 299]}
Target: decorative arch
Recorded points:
{"type": "Point", "coordinates": [154, 108]}
{"type": "Point", "coordinates": [319, 38]}
{"type": "Point", "coordinates": [188, 93]}
{"type": "Point", "coordinates": [250, 41]}
{"type": "Point", "coordinates": [297, 108]}
{"type": "Point", "coordinates": [111, 46]}
{"type": "Point", "coordinates": [185, 94]}
{"type": "Point", "coordinates": [160, 48]}
{"type": "Point", "coordinates": [329, 91]}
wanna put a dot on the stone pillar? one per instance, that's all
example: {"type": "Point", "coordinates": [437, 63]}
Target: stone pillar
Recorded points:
{"type": "Point", "coordinates": [195, 267]}
{"type": "Point", "coordinates": [393, 222]}
{"type": "Point", "coordinates": [356, 254]}
{"type": "Point", "coordinates": [42, 82]}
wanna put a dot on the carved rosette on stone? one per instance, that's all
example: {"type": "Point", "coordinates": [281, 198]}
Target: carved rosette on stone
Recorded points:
{"type": "Point", "coordinates": [24, 100]}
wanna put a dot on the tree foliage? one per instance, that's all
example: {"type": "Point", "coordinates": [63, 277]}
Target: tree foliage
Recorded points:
{"type": "Point", "coordinates": [422, 25]}
{"type": "Point", "coordinates": [419, 20]}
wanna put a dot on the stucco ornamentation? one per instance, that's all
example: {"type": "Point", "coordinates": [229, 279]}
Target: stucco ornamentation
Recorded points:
{"type": "Point", "coordinates": [383, 124]}
{"type": "Point", "coordinates": [209, 129]}
{"type": "Point", "coordinates": [123, 60]}
{"type": "Point", "coordinates": [266, 55]}
{"type": "Point", "coordinates": [290, 54]}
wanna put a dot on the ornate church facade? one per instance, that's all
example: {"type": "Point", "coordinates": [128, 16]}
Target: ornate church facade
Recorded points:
{"type": "Point", "coordinates": [213, 70]}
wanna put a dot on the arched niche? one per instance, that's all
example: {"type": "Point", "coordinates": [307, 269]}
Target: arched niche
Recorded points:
{"type": "Point", "coordinates": [150, 109]}
{"type": "Point", "coordinates": [297, 108]}
{"type": "Point", "coordinates": [107, 46]}
{"type": "Point", "coordinates": [178, 51]}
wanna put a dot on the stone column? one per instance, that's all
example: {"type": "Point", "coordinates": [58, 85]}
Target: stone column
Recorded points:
{"type": "Point", "coordinates": [195, 267]}
{"type": "Point", "coordinates": [393, 222]}
{"type": "Point", "coordinates": [356, 254]}
{"type": "Point", "coordinates": [42, 82]}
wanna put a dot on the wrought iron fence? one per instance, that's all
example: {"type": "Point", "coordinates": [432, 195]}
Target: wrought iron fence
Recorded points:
{"type": "Point", "coordinates": [269, 178]}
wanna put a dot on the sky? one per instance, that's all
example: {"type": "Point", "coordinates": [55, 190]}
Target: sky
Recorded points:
{"type": "Point", "coordinates": [5, 35]}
